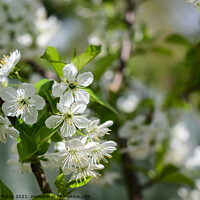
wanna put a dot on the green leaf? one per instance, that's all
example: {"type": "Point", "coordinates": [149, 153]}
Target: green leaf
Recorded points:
{"type": "Point", "coordinates": [168, 170]}
{"type": "Point", "coordinates": [180, 178]}
{"type": "Point", "coordinates": [93, 97]}
{"type": "Point", "coordinates": [160, 155]}
{"type": "Point", "coordinates": [56, 137]}
{"type": "Point", "coordinates": [177, 39]}
{"type": "Point", "coordinates": [42, 116]}
{"type": "Point", "coordinates": [40, 83]}
{"type": "Point", "coordinates": [40, 135]}
{"type": "Point", "coordinates": [52, 56]}
{"type": "Point", "coordinates": [45, 87]}
{"type": "Point", "coordinates": [162, 50]}
{"type": "Point", "coordinates": [79, 183]}
{"type": "Point", "coordinates": [102, 64]}
{"type": "Point", "coordinates": [90, 53]}
{"type": "Point", "coordinates": [5, 192]}
{"type": "Point", "coordinates": [46, 197]}
{"type": "Point", "coordinates": [60, 183]}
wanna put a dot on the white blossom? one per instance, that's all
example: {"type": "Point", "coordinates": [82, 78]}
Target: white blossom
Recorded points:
{"type": "Point", "coordinates": [8, 63]}
{"type": "Point", "coordinates": [22, 102]}
{"type": "Point", "coordinates": [71, 87]}
{"type": "Point", "coordinates": [84, 171]}
{"type": "Point", "coordinates": [102, 150]}
{"type": "Point", "coordinates": [6, 129]}
{"type": "Point", "coordinates": [95, 131]}
{"type": "Point", "coordinates": [69, 117]}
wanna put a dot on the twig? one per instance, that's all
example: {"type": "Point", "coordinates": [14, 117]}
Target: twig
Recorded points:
{"type": "Point", "coordinates": [130, 176]}
{"type": "Point", "coordinates": [41, 177]}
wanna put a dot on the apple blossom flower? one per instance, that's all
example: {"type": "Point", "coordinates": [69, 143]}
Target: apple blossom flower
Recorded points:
{"type": "Point", "coordinates": [8, 63]}
{"type": "Point", "coordinates": [69, 117]}
{"type": "Point", "coordinates": [95, 131]}
{"type": "Point", "coordinates": [84, 171]}
{"type": "Point", "coordinates": [6, 129]}
{"type": "Point", "coordinates": [22, 102]}
{"type": "Point", "coordinates": [71, 87]}
{"type": "Point", "coordinates": [74, 154]}
{"type": "Point", "coordinates": [102, 150]}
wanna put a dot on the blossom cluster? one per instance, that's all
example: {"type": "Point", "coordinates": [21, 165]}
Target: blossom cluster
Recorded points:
{"type": "Point", "coordinates": [83, 147]}
{"type": "Point", "coordinates": [83, 142]}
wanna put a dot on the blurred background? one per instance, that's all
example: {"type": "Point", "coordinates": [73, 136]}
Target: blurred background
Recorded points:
{"type": "Point", "coordinates": [148, 69]}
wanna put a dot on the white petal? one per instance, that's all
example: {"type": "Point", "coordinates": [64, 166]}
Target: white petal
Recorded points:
{"type": "Point", "coordinates": [8, 94]}
{"type": "Point", "coordinates": [12, 132]}
{"type": "Point", "coordinates": [91, 146]}
{"type": "Point", "coordinates": [2, 134]}
{"type": "Point", "coordinates": [93, 124]}
{"type": "Point", "coordinates": [70, 72]}
{"type": "Point", "coordinates": [106, 124]}
{"type": "Point", "coordinates": [53, 121]}
{"type": "Point", "coordinates": [37, 101]}
{"type": "Point", "coordinates": [80, 121]}
{"type": "Point", "coordinates": [85, 79]}
{"type": "Point", "coordinates": [78, 107]}
{"type": "Point", "coordinates": [81, 95]}
{"type": "Point", "coordinates": [74, 143]}
{"type": "Point", "coordinates": [11, 109]}
{"type": "Point", "coordinates": [15, 57]}
{"type": "Point", "coordinates": [68, 128]}
{"type": "Point", "coordinates": [2, 120]}
{"type": "Point", "coordinates": [26, 90]}
{"type": "Point", "coordinates": [58, 89]}
{"type": "Point", "coordinates": [62, 108]}
{"type": "Point", "coordinates": [96, 167]}
{"type": "Point", "coordinates": [67, 99]}
{"type": "Point", "coordinates": [29, 115]}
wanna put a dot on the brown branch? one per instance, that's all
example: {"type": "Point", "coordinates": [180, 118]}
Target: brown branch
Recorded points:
{"type": "Point", "coordinates": [130, 176]}
{"type": "Point", "coordinates": [41, 177]}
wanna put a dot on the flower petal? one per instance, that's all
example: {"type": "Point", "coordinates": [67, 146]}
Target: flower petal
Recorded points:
{"type": "Point", "coordinates": [81, 95]}
{"type": "Point", "coordinates": [93, 124]}
{"type": "Point", "coordinates": [11, 109]}
{"type": "Point", "coordinates": [78, 107]}
{"type": "Point", "coordinates": [53, 121]}
{"type": "Point", "coordinates": [8, 94]}
{"type": "Point", "coordinates": [37, 101]}
{"type": "Point", "coordinates": [70, 72]}
{"type": "Point", "coordinates": [67, 99]}
{"type": "Point", "coordinates": [85, 79]}
{"type": "Point", "coordinates": [2, 134]}
{"type": "Point", "coordinates": [62, 108]}
{"type": "Point", "coordinates": [29, 115]}
{"type": "Point", "coordinates": [26, 90]}
{"type": "Point", "coordinates": [80, 121]}
{"type": "Point", "coordinates": [68, 129]}
{"type": "Point", "coordinates": [74, 143]}
{"type": "Point", "coordinates": [12, 132]}
{"type": "Point", "coordinates": [15, 57]}
{"type": "Point", "coordinates": [58, 88]}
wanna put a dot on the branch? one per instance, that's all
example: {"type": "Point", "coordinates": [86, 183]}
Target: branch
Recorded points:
{"type": "Point", "coordinates": [130, 176]}
{"type": "Point", "coordinates": [41, 177]}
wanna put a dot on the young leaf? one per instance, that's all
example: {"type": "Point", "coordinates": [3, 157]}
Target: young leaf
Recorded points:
{"type": "Point", "coordinates": [93, 97]}
{"type": "Point", "coordinates": [179, 178]}
{"type": "Point", "coordinates": [177, 39]}
{"type": "Point", "coordinates": [52, 56]}
{"type": "Point", "coordinates": [60, 183]}
{"type": "Point", "coordinates": [41, 134]}
{"type": "Point", "coordinates": [79, 183]}
{"type": "Point", "coordinates": [5, 192]}
{"type": "Point", "coordinates": [102, 64]}
{"type": "Point", "coordinates": [40, 83]}
{"type": "Point", "coordinates": [90, 53]}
